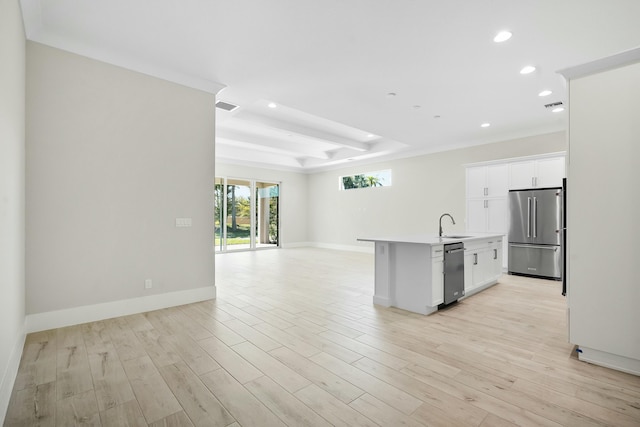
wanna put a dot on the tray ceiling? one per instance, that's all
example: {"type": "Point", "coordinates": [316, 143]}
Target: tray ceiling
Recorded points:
{"type": "Point", "coordinates": [352, 81]}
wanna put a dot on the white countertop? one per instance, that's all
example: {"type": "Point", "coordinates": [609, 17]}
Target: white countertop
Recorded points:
{"type": "Point", "coordinates": [430, 239]}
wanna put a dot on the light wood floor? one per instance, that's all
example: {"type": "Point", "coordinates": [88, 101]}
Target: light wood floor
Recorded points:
{"type": "Point", "coordinates": [293, 339]}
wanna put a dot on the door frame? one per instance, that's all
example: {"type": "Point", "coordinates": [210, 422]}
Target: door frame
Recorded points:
{"type": "Point", "coordinates": [253, 203]}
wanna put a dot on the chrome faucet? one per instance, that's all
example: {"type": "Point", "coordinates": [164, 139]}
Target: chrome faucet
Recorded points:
{"type": "Point", "coordinates": [440, 222]}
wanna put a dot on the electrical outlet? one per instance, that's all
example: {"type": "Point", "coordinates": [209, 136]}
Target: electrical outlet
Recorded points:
{"type": "Point", "coordinates": [148, 284]}
{"type": "Point", "coordinates": [183, 222]}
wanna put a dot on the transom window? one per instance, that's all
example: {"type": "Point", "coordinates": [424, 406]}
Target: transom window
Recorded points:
{"type": "Point", "coordinates": [374, 179]}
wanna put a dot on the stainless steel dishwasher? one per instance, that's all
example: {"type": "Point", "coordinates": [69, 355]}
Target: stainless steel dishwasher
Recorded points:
{"type": "Point", "coordinates": [453, 272]}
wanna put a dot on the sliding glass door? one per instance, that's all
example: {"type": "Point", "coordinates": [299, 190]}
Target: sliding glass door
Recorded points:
{"type": "Point", "coordinates": [238, 219]}
{"type": "Point", "coordinates": [267, 215]}
{"type": "Point", "coordinates": [219, 213]}
{"type": "Point", "coordinates": [246, 214]}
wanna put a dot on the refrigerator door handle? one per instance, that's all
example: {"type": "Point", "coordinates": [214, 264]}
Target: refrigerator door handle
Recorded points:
{"type": "Point", "coordinates": [535, 217]}
{"type": "Point", "coordinates": [549, 248]}
{"type": "Point", "coordinates": [528, 216]}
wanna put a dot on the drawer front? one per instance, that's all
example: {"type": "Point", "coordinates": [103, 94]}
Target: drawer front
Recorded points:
{"type": "Point", "coordinates": [535, 260]}
{"type": "Point", "coordinates": [437, 251]}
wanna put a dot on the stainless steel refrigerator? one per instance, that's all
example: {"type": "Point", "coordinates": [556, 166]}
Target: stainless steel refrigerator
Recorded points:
{"type": "Point", "coordinates": [536, 232]}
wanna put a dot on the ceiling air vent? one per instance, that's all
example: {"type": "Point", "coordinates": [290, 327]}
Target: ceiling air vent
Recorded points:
{"type": "Point", "coordinates": [226, 106]}
{"type": "Point", "coordinates": [553, 104]}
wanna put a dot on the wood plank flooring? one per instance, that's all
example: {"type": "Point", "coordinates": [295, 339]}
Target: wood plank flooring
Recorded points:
{"type": "Point", "coordinates": [293, 339]}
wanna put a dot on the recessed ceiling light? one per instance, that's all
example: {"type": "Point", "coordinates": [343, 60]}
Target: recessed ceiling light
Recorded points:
{"type": "Point", "coordinates": [502, 36]}
{"type": "Point", "coordinates": [485, 125]}
{"type": "Point", "coordinates": [528, 69]}
{"type": "Point", "coordinates": [557, 110]}
{"type": "Point", "coordinates": [545, 93]}
{"type": "Point", "coordinates": [370, 135]}
{"type": "Point", "coordinates": [416, 106]}
{"type": "Point", "coordinates": [436, 116]}
{"type": "Point", "coordinates": [391, 94]}
{"type": "Point", "coordinates": [272, 105]}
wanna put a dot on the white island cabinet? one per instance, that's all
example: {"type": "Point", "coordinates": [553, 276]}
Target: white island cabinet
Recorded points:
{"type": "Point", "coordinates": [409, 269]}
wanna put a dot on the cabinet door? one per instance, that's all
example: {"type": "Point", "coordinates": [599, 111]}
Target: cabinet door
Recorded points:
{"type": "Point", "coordinates": [476, 181]}
{"type": "Point", "coordinates": [505, 254]}
{"type": "Point", "coordinates": [497, 215]}
{"type": "Point", "coordinates": [497, 259]}
{"type": "Point", "coordinates": [550, 172]}
{"type": "Point", "coordinates": [468, 270]}
{"type": "Point", "coordinates": [521, 175]}
{"type": "Point", "coordinates": [487, 264]}
{"type": "Point", "coordinates": [437, 281]}
{"type": "Point", "coordinates": [478, 268]}
{"type": "Point", "coordinates": [476, 216]}
{"type": "Point", "coordinates": [497, 180]}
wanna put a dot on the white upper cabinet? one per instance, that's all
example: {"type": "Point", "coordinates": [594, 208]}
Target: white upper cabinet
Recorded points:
{"type": "Point", "coordinates": [476, 215]}
{"type": "Point", "coordinates": [487, 190]}
{"type": "Point", "coordinates": [521, 175]}
{"type": "Point", "coordinates": [550, 172]}
{"type": "Point", "coordinates": [539, 173]}
{"type": "Point", "coordinates": [488, 215]}
{"type": "Point", "coordinates": [487, 181]}
{"type": "Point", "coordinates": [497, 180]}
{"type": "Point", "coordinates": [497, 215]}
{"type": "Point", "coordinates": [476, 181]}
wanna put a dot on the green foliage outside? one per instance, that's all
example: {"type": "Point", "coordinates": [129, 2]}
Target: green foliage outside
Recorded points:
{"type": "Point", "coordinates": [238, 237]}
{"type": "Point", "coordinates": [273, 220]}
{"type": "Point", "coordinates": [360, 181]}
{"type": "Point", "coordinates": [238, 216]}
{"type": "Point", "coordinates": [237, 207]}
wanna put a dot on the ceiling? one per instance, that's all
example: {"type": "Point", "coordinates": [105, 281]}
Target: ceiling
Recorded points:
{"type": "Point", "coordinates": [331, 67]}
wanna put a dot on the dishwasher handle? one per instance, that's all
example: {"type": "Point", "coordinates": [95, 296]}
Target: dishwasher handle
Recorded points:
{"type": "Point", "coordinates": [453, 251]}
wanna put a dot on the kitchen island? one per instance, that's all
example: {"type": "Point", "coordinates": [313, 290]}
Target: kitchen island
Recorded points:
{"type": "Point", "coordinates": [409, 269]}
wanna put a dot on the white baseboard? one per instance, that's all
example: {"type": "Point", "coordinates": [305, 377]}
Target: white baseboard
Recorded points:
{"type": "Point", "coordinates": [608, 360]}
{"type": "Point", "coordinates": [91, 313]}
{"type": "Point", "coordinates": [6, 386]}
{"type": "Point", "coordinates": [350, 248]}
{"type": "Point", "coordinates": [297, 245]}
{"type": "Point", "coordinates": [479, 288]}
{"type": "Point", "coordinates": [384, 302]}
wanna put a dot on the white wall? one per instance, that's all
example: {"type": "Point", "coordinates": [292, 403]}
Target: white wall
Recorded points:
{"type": "Point", "coordinates": [424, 187]}
{"type": "Point", "coordinates": [12, 194]}
{"type": "Point", "coordinates": [603, 227]}
{"type": "Point", "coordinates": [293, 198]}
{"type": "Point", "coordinates": [113, 158]}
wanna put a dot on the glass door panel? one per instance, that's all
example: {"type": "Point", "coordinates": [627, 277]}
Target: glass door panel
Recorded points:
{"type": "Point", "coordinates": [267, 224]}
{"type": "Point", "coordinates": [238, 215]}
{"type": "Point", "coordinates": [246, 214]}
{"type": "Point", "coordinates": [218, 214]}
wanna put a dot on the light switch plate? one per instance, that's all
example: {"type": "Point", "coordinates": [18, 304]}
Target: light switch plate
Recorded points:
{"type": "Point", "coordinates": [148, 284]}
{"type": "Point", "coordinates": [183, 222]}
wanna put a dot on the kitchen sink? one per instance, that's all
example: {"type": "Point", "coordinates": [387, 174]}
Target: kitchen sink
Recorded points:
{"type": "Point", "coordinates": [455, 237]}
